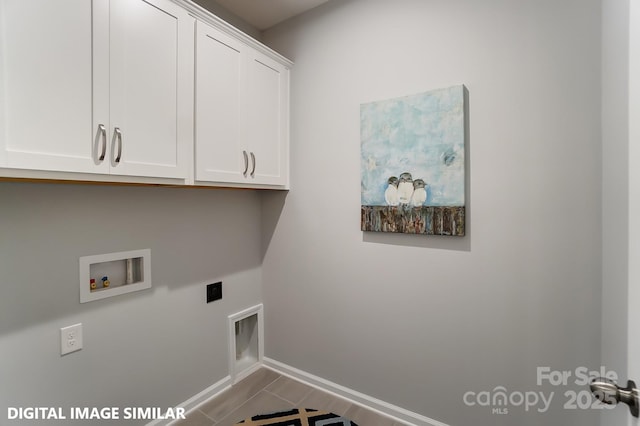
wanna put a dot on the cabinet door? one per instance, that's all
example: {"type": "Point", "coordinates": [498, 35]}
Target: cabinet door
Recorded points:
{"type": "Point", "coordinates": [150, 87]}
{"type": "Point", "coordinates": [45, 86]}
{"type": "Point", "coordinates": [268, 112]}
{"type": "Point", "coordinates": [219, 135]}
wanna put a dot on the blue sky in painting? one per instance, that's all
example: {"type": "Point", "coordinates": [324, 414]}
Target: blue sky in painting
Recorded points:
{"type": "Point", "coordinates": [421, 134]}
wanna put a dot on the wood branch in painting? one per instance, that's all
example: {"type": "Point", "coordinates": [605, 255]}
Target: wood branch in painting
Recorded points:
{"type": "Point", "coordinates": [413, 164]}
{"type": "Point", "coordinates": [426, 220]}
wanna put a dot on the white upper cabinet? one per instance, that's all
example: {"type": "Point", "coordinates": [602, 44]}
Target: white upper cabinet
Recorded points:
{"type": "Point", "coordinates": [143, 76]}
{"type": "Point", "coordinates": [219, 98]}
{"type": "Point", "coordinates": [45, 86]}
{"type": "Point", "coordinates": [121, 90]}
{"type": "Point", "coordinates": [96, 87]}
{"type": "Point", "coordinates": [242, 101]}
{"type": "Point", "coordinates": [268, 118]}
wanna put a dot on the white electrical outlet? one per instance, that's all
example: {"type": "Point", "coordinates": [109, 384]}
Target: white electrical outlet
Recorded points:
{"type": "Point", "coordinates": [70, 339]}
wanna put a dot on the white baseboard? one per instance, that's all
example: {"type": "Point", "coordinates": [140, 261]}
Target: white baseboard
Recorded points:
{"type": "Point", "coordinates": [198, 399]}
{"type": "Point", "coordinates": [398, 414]}
{"type": "Point", "coordinates": [247, 372]}
{"type": "Point", "coordinates": [355, 397]}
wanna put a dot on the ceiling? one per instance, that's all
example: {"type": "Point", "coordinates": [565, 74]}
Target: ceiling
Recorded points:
{"type": "Point", "coordinates": [264, 14]}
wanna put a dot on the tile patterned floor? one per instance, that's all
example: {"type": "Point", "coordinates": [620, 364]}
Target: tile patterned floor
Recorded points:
{"type": "Point", "coordinates": [267, 391]}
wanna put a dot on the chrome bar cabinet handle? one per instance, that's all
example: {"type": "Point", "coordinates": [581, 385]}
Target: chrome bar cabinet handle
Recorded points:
{"type": "Point", "coordinates": [246, 163]}
{"type": "Point", "coordinates": [253, 160]}
{"type": "Point", "coordinates": [117, 134]}
{"type": "Point", "coordinates": [102, 133]}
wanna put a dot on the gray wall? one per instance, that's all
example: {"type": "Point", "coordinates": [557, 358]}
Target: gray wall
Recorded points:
{"type": "Point", "coordinates": [419, 321]}
{"type": "Point", "coordinates": [152, 348]}
{"type": "Point", "coordinates": [615, 205]}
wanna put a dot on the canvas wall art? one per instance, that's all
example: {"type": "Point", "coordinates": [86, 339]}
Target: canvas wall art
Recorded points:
{"type": "Point", "coordinates": [413, 163]}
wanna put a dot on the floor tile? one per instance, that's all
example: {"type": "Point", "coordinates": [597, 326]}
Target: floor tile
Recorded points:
{"type": "Point", "coordinates": [266, 391]}
{"type": "Point", "coordinates": [364, 417]}
{"type": "Point", "coordinates": [319, 400]}
{"type": "Point", "coordinates": [264, 402]}
{"type": "Point", "coordinates": [195, 418]}
{"type": "Point", "coordinates": [229, 400]}
{"type": "Point", "coordinates": [289, 389]}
